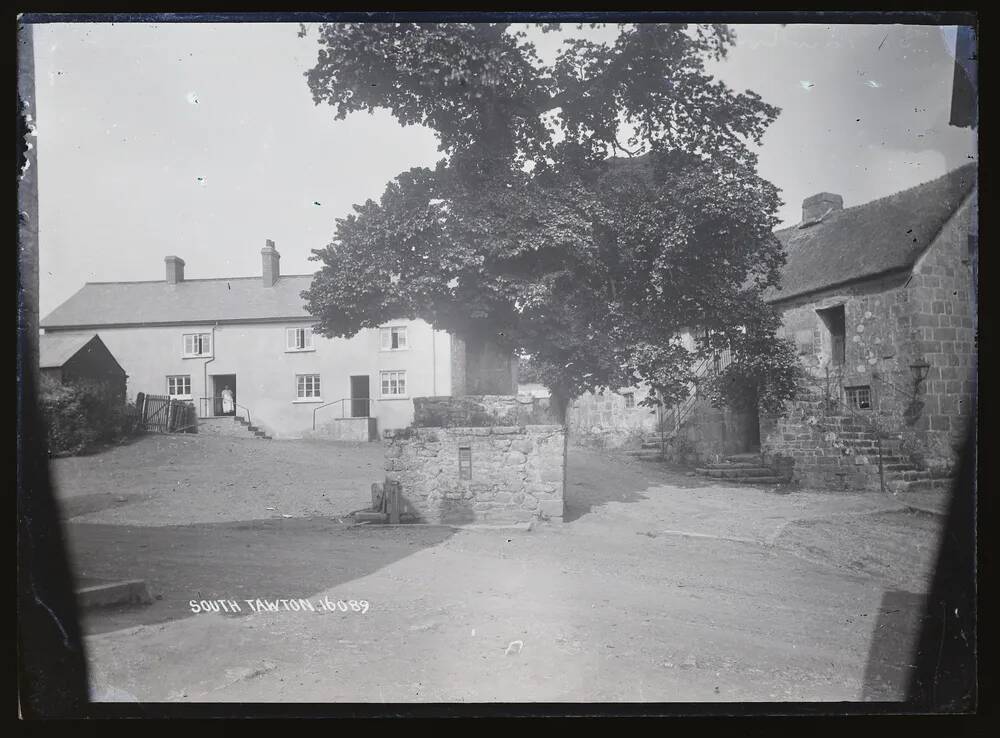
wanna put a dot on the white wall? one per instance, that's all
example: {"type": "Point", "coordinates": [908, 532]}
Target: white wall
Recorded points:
{"type": "Point", "coordinates": [265, 371]}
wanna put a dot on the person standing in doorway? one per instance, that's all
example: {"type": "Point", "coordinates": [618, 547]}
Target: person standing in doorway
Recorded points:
{"type": "Point", "coordinates": [228, 405]}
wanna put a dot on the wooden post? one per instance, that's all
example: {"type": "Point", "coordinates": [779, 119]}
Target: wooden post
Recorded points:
{"type": "Point", "coordinates": [393, 499]}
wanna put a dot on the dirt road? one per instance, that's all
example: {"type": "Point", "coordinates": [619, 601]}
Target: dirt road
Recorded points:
{"type": "Point", "coordinates": [659, 587]}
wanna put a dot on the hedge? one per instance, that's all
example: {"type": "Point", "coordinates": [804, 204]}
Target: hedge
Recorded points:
{"type": "Point", "coordinates": [80, 417]}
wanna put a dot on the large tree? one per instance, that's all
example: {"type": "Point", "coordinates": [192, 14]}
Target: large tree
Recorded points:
{"type": "Point", "coordinates": [584, 212]}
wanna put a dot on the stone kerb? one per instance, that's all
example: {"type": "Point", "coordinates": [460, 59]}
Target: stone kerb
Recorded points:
{"type": "Point", "coordinates": [466, 474]}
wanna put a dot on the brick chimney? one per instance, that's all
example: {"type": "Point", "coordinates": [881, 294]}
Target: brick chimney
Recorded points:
{"type": "Point", "coordinates": [175, 269]}
{"type": "Point", "coordinates": [270, 258]}
{"type": "Point", "coordinates": [817, 207]}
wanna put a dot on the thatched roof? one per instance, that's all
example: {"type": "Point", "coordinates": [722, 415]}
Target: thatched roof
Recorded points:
{"type": "Point", "coordinates": [878, 238]}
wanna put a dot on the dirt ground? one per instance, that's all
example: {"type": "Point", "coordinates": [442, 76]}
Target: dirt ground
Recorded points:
{"type": "Point", "coordinates": [182, 479]}
{"type": "Point", "coordinates": [658, 587]}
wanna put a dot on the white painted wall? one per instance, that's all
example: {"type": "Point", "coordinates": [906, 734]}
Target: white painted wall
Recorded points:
{"type": "Point", "coordinates": [265, 371]}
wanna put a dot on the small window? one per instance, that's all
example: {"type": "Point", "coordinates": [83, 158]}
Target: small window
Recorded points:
{"type": "Point", "coordinates": [179, 386]}
{"type": "Point", "coordinates": [393, 384]}
{"type": "Point", "coordinates": [629, 399]}
{"type": "Point", "coordinates": [860, 398]}
{"type": "Point", "coordinates": [298, 339]}
{"type": "Point", "coordinates": [394, 338]}
{"type": "Point", "coordinates": [307, 387]}
{"type": "Point", "coordinates": [197, 344]}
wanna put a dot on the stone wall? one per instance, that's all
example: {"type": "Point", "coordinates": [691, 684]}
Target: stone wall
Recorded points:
{"type": "Point", "coordinates": [605, 419]}
{"type": "Point", "coordinates": [480, 411]}
{"type": "Point", "coordinates": [515, 473]}
{"type": "Point", "coordinates": [709, 434]}
{"type": "Point", "coordinates": [940, 327]}
{"type": "Point", "coordinates": [821, 450]}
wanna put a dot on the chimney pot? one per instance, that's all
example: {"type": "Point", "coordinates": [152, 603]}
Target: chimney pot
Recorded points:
{"type": "Point", "coordinates": [817, 207]}
{"type": "Point", "coordinates": [175, 269]}
{"type": "Point", "coordinates": [270, 258]}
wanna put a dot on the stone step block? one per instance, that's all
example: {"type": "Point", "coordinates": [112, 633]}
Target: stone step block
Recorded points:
{"type": "Point", "coordinates": [735, 465]}
{"type": "Point", "coordinates": [920, 485]}
{"type": "Point", "coordinates": [759, 471]}
{"type": "Point", "coordinates": [758, 480]}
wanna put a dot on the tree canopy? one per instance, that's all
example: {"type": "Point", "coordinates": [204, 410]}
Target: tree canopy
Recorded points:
{"type": "Point", "coordinates": [584, 212]}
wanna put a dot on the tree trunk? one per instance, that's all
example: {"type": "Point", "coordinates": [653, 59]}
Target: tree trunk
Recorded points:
{"type": "Point", "coordinates": [558, 404]}
{"type": "Point", "coordinates": [483, 363]}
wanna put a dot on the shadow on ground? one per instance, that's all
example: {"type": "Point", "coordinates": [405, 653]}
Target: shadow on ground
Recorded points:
{"type": "Point", "coordinates": [295, 558]}
{"type": "Point", "coordinates": [595, 478]}
{"type": "Point", "coordinates": [893, 647]}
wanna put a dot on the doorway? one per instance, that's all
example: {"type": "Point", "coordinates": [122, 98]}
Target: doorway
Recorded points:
{"type": "Point", "coordinates": [836, 325]}
{"type": "Point", "coordinates": [360, 396]}
{"type": "Point", "coordinates": [219, 404]}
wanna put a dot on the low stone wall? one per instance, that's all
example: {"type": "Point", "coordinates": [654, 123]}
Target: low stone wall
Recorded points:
{"type": "Point", "coordinates": [480, 411]}
{"type": "Point", "coordinates": [347, 429]}
{"type": "Point", "coordinates": [461, 475]}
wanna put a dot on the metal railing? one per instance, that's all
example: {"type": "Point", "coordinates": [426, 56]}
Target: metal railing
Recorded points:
{"type": "Point", "coordinates": [709, 366]}
{"type": "Point", "coordinates": [361, 407]}
{"type": "Point", "coordinates": [211, 407]}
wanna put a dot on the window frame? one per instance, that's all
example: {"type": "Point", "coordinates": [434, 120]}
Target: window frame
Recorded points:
{"type": "Point", "coordinates": [629, 400]}
{"type": "Point", "coordinates": [308, 345]}
{"type": "Point", "coordinates": [852, 396]}
{"type": "Point", "coordinates": [318, 388]}
{"type": "Point", "coordinates": [404, 395]}
{"type": "Point", "coordinates": [184, 345]}
{"type": "Point", "coordinates": [387, 330]}
{"type": "Point", "coordinates": [187, 378]}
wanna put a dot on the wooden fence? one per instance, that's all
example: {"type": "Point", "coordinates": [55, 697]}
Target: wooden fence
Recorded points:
{"type": "Point", "coordinates": [162, 414]}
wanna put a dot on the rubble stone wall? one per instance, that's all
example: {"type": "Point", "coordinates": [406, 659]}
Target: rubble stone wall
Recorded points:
{"type": "Point", "coordinates": [507, 474]}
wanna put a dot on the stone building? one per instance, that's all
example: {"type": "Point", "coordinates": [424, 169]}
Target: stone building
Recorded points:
{"type": "Point", "coordinates": [612, 419]}
{"type": "Point", "coordinates": [880, 301]}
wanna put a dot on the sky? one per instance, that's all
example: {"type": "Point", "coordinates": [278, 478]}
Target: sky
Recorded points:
{"type": "Point", "coordinates": [202, 140]}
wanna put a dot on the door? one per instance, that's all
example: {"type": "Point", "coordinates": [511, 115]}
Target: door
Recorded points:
{"type": "Point", "coordinates": [223, 402]}
{"type": "Point", "coordinates": [360, 397]}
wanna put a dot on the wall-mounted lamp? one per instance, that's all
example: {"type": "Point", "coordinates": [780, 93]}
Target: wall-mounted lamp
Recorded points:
{"type": "Point", "coordinates": [920, 369]}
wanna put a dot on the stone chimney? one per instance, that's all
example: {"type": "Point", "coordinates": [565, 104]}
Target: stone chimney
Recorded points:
{"type": "Point", "coordinates": [175, 269]}
{"type": "Point", "coordinates": [817, 207]}
{"type": "Point", "coordinates": [270, 258]}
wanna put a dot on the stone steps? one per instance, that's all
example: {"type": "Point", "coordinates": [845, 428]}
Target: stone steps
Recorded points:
{"type": "Point", "coordinates": [653, 444]}
{"type": "Point", "coordinates": [746, 468]}
{"type": "Point", "coordinates": [743, 471]}
{"type": "Point", "coordinates": [889, 460]}
{"type": "Point", "coordinates": [734, 465]}
{"type": "Point", "coordinates": [758, 480]}
{"type": "Point", "coordinates": [645, 455]}
{"type": "Point", "coordinates": [233, 427]}
{"type": "Point", "coordinates": [920, 485]}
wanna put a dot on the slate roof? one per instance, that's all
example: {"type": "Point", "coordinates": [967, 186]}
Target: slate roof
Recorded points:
{"type": "Point", "coordinates": [191, 301]}
{"type": "Point", "coordinates": [879, 237]}
{"type": "Point", "coordinates": [54, 351]}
